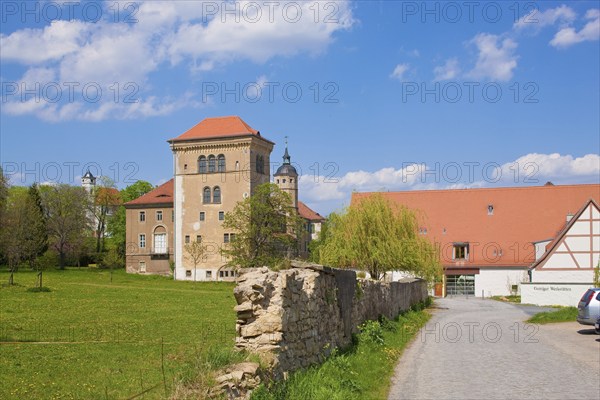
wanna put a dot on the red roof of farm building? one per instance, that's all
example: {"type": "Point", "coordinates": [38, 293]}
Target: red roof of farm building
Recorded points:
{"type": "Point", "coordinates": [502, 237]}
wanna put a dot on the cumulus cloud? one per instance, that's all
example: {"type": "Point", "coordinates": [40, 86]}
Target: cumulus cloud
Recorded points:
{"type": "Point", "coordinates": [536, 20]}
{"type": "Point", "coordinates": [201, 35]}
{"type": "Point", "coordinates": [568, 36]}
{"type": "Point", "coordinates": [399, 71]}
{"type": "Point", "coordinates": [496, 57]}
{"type": "Point", "coordinates": [327, 193]}
{"type": "Point", "coordinates": [449, 70]}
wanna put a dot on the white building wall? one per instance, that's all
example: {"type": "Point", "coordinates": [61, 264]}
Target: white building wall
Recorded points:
{"type": "Point", "coordinates": [566, 276]}
{"type": "Point", "coordinates": [177, 228]}
{"type": "Point", "coordinates": [540, 249]}
{"type": "Point", "coordinates": [551, 294]}
{"type": "Point", "coordinates": [498, 281]}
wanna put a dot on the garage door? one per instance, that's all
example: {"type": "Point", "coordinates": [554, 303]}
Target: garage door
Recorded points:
{"type": "Point", "coordinates": [460, 285]}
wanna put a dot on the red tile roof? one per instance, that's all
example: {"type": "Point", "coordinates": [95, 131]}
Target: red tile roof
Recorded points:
{"type": "Point", "coordinates": [162, 194]}
{"type": "Point", "coordinates": [218, 127]}
{"type": "Point", "coordinates": [306, 213]}
{"type": "Point", "coordinates": [521, 215]}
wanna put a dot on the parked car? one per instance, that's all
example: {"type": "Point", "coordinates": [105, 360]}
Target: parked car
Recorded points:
{"type": "Point", "coordinates": [597, 326]}
{"type": "Point", "coordinates": [589, 307]}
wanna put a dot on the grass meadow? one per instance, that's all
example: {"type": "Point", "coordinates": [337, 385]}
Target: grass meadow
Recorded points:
{"type": "Point", "coordinates": [142, 337]}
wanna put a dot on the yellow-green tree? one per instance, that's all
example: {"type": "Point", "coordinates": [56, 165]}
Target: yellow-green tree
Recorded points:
{"type": "Point", "coordinates": [376, 235]}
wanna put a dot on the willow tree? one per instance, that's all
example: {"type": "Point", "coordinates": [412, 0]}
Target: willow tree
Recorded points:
{"type": "Point", "coordinates": [377, 236]}
{"type": "Point", "coordinates": [265, 228]}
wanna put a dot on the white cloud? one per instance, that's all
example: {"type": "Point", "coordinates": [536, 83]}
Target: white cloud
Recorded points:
{"type": "Point", "coordinates": [35, 46]}
{"type": "Point", "coordinates": [399, 71]}
{"type": "Point", "coordinates": [326, 194]}
{"type": "Point", "coordinates": [537, 20]}
{"type": "Point", "coordinates": [569, 36]}
{"type": "Point", "coordinates": [496, 58]}
{"type": "Point", "coordinates": [106, 52]}
{"type": "Point", "coordinates": [449, 70]}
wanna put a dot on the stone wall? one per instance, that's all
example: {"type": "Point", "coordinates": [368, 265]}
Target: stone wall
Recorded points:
{"type": "Point", "coordinates": [294, 318]}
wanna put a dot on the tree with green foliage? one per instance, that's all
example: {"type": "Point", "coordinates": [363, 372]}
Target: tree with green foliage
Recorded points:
{"type": "Point", "coordinates": [195, 251]}
{"type": "Point", "coordinates": [116, 224]}
{"type": "Point", "coordinates": [67, 218]}
{"type": "Point", "coordinates": [3, 201]}
{"type": "Point", "coordinates": [36, 242]}
{"type": "Point", "coordinates": [377, 236]}
{"type": "Point", "coordinates": [597, 275]}
{"type": "Point", "coordinates": [266, 229]}
{"type": "Point", "coordinates": [105, 198]}
{"type": "Point", "coordinates": [24, 235]}
{"type": "Point", "coordinates": [315, 246]}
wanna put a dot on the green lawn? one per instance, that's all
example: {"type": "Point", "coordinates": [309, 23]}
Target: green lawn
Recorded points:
{"type": "Point", "coordinates": [89, 338]}
{"type": "Point", "coordinates": [563, 314]}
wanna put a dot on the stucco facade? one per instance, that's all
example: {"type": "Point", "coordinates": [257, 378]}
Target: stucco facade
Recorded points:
{"type": "Point", "coordinates": [199, 215]}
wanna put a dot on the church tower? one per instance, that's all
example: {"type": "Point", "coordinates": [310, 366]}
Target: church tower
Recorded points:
{"type": "Point", "coordinates": [88, 181]}
{"type": "Point", "coordinates": [286, 178]}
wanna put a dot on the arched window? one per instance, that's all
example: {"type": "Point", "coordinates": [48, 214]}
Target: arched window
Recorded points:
{"type": "Point", "coordinates": [216, 194]}
{"type": "Point", "coordinates": [211, 163]}
{"type": "Point", "coordinates": [202, 164]}
{"type": "Point", "coordinates": [221, 163]}
{"type": "Point", "coordinates": [160, 240]}
{"type": "Point", "coordinates": [206, 195]}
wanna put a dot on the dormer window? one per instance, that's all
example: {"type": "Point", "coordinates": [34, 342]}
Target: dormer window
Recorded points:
{"type": "Point", "coordinates": [490, 209]}
{"type": "Point", "coordinates": [460, 251]}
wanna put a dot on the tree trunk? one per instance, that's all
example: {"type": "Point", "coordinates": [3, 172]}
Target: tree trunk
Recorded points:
{"type": "Point", "coordinates": [62, 259]}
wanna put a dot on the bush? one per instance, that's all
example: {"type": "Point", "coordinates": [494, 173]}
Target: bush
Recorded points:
{"type": "Point", "coordinates": [371, 332]}
{"type": "Point", "coordinates": [48, 260]}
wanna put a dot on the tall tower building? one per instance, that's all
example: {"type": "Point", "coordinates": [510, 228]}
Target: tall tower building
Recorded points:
{"type": "Point", "coordinates": [286, 178]}
{"type": "Point", "coordinates": [217, 163]}
{"type": "Point", "coordinates": [88, 181]}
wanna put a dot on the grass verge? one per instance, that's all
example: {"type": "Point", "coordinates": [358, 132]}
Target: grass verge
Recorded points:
{"type": "Point", "coordinates": [363, 371]}
{"type": "Point", "coordinates": [563, 314]}
{"type": "Point", "coordinates": [508, 299]}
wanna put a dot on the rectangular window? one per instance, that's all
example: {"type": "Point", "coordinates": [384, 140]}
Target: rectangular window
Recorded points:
{"type": "Point", "coordinates": [226, 238]}
{"type": "Point", "coordinates": [142, 216]}
{"type": "Point", "coordinates": [188, 273]}
{"type": "Point", "coordinates": [202, 216]}
{"type": "Point", "coordinates": [221, 215]}
{"type": "Point", "coordinates": [231, 237]}
{"type": "Point", "coordinates": [172, 216]}
{"type": "Point", "coordinates": [208, 274]}
{"type": "Point", "coordinates": [142, 241]}
{"type": "Point", "coordinates": [221, 274]}
{"type": "Point", "coordinates": [461, 251]}
{"type": "Point", "coordinates": [142, 267]}
{"type": "Point", "coordinates": [198, 238]}
{"type": "Point", "coordinates": [159, 215]}
{"type": "Point", "coordinates": [187, 238]}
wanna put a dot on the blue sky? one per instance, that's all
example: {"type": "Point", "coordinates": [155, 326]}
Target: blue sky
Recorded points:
{"type": "Point", "coordinates": [394, 95]}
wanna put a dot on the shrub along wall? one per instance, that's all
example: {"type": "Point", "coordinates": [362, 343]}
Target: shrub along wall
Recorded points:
{"type": "Point", "coordinates": [295, 318]}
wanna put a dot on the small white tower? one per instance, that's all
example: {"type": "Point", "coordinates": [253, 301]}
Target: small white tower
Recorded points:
{"type": "Point", "coordinates": [88, 181]}
{"type": "Point", "coordinates": [286, 177]}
